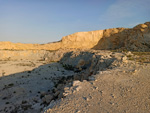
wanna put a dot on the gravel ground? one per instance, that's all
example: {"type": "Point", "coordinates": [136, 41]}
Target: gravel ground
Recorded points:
{"type": "Point", "coordinates": [125, 89]}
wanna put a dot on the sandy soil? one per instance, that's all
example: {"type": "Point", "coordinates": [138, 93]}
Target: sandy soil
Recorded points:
{"type": "Point", "coordinates": [121, 90]}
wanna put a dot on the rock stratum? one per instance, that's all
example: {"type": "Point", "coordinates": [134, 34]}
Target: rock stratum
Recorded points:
{"type": "Point", "coordinates": [133, 39]}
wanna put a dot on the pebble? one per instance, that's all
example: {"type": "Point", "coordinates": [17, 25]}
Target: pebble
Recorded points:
{"type": "Point", "coordinates": [76, 83]}
{"type": "Point", "coordinates": [91, 78]}
{"type": "Point", "coordinates": [57, 93]}
{"type": "Point", "coordinates": [47, 98]}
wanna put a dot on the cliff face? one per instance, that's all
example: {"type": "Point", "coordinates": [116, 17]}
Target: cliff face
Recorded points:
{"type": "Point", "coordinates": [135, 39]}
{"type": "Point", "coordinates": [82, 39]}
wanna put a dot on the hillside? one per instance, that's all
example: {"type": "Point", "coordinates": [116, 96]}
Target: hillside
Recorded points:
{"type": "Point", "coordinates": [134, 39]}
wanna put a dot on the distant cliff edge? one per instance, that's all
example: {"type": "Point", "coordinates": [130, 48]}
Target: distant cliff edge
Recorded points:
{"type": "Point", "coordinates": [133, 39]}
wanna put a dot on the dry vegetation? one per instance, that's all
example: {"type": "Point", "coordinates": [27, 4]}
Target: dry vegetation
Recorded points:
{"type": "Point", "coordinates": [142, 57]}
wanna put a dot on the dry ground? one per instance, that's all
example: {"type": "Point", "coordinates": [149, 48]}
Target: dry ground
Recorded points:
{"type": "Point", "coordinates": [122, 90]}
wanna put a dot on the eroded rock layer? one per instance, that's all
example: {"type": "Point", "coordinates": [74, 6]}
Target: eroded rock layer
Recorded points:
{"type": "Point", "coordinates": [134, 39]}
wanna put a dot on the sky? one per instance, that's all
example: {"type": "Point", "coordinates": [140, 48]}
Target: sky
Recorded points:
{"type": "Point", "coordinates": [43, 21]}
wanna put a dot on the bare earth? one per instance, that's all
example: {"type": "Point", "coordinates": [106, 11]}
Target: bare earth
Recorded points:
{"type": "Point", "coordinates": [27, 86]}
{"type": "Point", "coordinates": [122, 90]}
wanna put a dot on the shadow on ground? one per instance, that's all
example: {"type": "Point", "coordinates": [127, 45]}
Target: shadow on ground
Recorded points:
{"type": "Point", "coordinates": [35, 89]}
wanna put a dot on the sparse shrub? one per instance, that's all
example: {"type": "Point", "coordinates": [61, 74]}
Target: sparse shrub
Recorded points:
{"type": "Point", "coordinates": [142, 57]}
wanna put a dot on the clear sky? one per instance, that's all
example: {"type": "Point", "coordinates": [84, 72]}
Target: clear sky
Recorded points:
{"type": "Point", "coordinates": [43, 21]}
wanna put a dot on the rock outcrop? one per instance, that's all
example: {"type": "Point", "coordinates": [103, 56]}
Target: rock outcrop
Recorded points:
{"type": "Point", "coordinates": [134, 39]}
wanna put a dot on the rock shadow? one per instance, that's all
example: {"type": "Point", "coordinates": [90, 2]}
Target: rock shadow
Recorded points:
{"type": "Point", "coordinates": [33, 90]}
{"type": "Point", "coordinates": [30, 90]}
{"type": "Point", "coordinates": [85, 63]}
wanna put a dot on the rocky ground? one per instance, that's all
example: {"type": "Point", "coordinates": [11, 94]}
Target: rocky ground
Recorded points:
{"type": "Point", "coordinates": [122, 90]}
{"type": "Point", "coordinates": [82, 81]}
{"type": "Point", "coordinates": [27, 85]}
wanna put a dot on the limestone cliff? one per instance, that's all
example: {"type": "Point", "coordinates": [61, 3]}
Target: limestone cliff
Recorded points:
{"type": "Point", "coordinates": [135, 39]}
{"type": "Point", "coordinates": [82, 39]}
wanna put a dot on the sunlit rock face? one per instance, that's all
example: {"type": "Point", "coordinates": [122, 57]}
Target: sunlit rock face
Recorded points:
{"type": "Point", "coordinates": [134, 39]}
{"type": "Point", "coordinates": [82, 39]}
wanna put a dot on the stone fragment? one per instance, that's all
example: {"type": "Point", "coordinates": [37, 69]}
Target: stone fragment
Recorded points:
{"type": "Point", "coordinates": [43, 93]}
{"type": "Point", "coordinates": [91, 78]}
{"type": "Point", "coordinates": [48, 98]}
{"type": "Point", "coordinates": [124, 59]}
{"type": "Point", "coordinates": [76, 83]}
{"type": "Point", "coordinates": [60, 95]}
{"type": "Point", "coordinates": [57, 93]}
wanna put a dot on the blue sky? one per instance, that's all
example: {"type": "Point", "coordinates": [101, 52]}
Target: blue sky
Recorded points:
{"type": "Point", "coordinates": [43, 21]}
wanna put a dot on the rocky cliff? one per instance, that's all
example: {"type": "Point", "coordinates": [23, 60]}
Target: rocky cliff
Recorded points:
{"type": "Point", "coordinates": [134, 39]}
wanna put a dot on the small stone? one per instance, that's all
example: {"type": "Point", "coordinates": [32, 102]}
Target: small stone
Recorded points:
{"type": "Point", "coordinates": [65, 94]}
{"type": "Point", "coordinates": [129, 53]}
{"type": "Point", "coordinates": [66, 88]}
{"type": "Point", "coordinates": [43, 99]}
{"type": "Point", "coordinates": [135, 70]}
{"type": "Point", "coordinates": [124, 59]}
{"type": "Point", "coordinates": [88, 99]}
{"type": "Point", "coordinates": [84, 81]}
{"type": "Point", "coordinates": [78, 88]}
{"type": "Point", "coordinates": [113, 96]}
{"type": "Point", "coordinates": [57, 93]}
{"type": "Point", "coordinates": [48, 98]}
{"type": "Point", "coordinates": [77, 111]}
{"type": "Point", "coordinates": [76, 83]}
{"type": "Point", "coordinates": [43, 93]}
{"type": "Point", "coordinates": [113, 104]}
{"type": "Point", "coordinates": [124, 71]}
{"type": "Point", "coordinates": [91, 78]}
{"type": "Point", "coordinates": [60, 95]}
{"type": "Point", "coordinates": [94, 87]}
{"type": "Point", "coordinates": [84, 98]}
{"type": "Point", "coordinates": [60, 86]}
{"type": "Point", "coordinates": [55, 89]}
